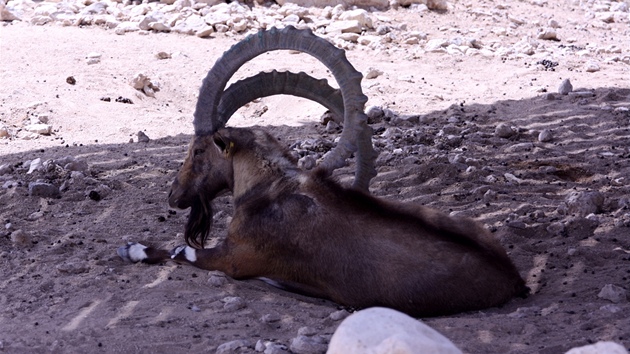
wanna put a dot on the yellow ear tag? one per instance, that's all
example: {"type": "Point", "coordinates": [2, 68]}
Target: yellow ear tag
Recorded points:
{"type": "Point", "coordinates": [230, 147]}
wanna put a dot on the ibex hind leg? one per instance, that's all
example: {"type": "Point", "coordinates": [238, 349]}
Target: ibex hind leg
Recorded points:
{"type": "Point", "coordinates": [136, 252]}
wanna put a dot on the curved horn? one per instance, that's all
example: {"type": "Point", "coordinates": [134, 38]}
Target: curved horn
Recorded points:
{"type": "Point", "coordinates": [349, 79]}
{"type": "Point", "coordinates": [277, 83]}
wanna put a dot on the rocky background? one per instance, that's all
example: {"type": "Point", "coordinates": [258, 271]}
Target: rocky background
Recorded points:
{"type": "Point", "coordinates": [515, 113]}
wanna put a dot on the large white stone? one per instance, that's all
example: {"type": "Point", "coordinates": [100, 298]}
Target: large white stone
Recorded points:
{"type": "Point", "coordinates": [599, 348]}
{"type": "Point", "coordinates": [380, 330]}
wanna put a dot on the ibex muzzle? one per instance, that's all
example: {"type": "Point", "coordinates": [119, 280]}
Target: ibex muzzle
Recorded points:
{"type": "Point", "coordinates": [306, 233]}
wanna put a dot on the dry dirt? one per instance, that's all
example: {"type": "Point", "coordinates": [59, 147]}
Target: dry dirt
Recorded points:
{"type": "Point", "coordinates": [64, 289]}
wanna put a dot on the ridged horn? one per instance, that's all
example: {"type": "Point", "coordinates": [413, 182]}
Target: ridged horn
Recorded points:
{"type": "Point", "coordinates": [356, 135]}
{"type": "Point", "coordinates": [272, 83]}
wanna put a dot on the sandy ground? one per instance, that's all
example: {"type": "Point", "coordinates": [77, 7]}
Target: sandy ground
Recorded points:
{"type": "Point", "coordinates": [64, 289]}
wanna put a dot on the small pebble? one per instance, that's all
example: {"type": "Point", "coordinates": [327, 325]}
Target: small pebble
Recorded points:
{"type": "Point", "coordinates": [565, 87]}
{"type": "Point", "coordinates": [545, 136]}
{"type": "Point", "coordinates": [613, 293]}
{"type": "Point", "coordinates": [20, 238]}
{"type": "Point", "coordinates": [591, 67]}
{"type": "Point", "coordinates": [503, 130]}
{"type": "Point", "coordinates": [339, 315]}
{"type": "Point", "coordinates": [143, 138]}
{"type": "Point", "coordinates": [233, 303]}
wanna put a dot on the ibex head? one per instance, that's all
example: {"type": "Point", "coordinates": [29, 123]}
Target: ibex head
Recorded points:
{"type": "Point", "coordinates": [203, 176]}
{"type": "Point", "coordinates": [231, 159]}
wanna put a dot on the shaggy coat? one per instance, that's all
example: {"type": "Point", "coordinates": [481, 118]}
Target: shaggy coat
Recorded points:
{"type": "Point", "coordinates": [306, 233]}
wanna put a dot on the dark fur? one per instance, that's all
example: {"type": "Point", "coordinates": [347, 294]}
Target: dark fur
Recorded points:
{"type": "Point", "coordinates": [313, 236]}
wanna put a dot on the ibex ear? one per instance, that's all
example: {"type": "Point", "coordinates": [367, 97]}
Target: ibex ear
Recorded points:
{"type": "Point", "coordinates": [225, 144]}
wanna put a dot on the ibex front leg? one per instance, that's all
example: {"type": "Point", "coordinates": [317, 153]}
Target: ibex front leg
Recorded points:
{"type": "Point", "coordinates": [235, 263]}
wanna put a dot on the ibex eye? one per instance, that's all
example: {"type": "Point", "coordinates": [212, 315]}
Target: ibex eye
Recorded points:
{"type": "Point", "coordinates": [198, 152]}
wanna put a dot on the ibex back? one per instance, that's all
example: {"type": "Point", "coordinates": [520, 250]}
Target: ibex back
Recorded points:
{"type": "Point", "coordinates": [308, 234]}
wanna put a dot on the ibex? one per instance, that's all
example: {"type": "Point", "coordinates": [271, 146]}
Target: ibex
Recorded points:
{"type": "Point", "coordinates": [304, 232]}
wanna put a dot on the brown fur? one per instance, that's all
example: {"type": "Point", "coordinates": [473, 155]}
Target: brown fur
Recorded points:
{"type": "Point", "coordinates": [313, 236]}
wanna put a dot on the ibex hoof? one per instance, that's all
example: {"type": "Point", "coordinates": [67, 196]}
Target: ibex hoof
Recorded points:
{"type": "Point", "coordinates": [132, 252]}
{"type": "Point", "coordinates": [184, 253]}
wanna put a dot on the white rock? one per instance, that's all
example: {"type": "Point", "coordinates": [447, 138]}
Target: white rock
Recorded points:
{"type": "Point", "coordinates": [205, 32]}
{"type": "Point", "coordinates": [512, 179]}
{"type": "Point", "coordinates": [144, 23]}
{"type": "Point", "coordinates": [606, 17]}
{"type": "Point", "coordinates": [308, 345]}
{"type": "Point", "coordinates": [233, 346]}
{"type": "Point", "coordinates": [159, 27]}
{"type": "Point", "coordinates": [585, 202]}
{"type": "Point", "coordinates": [5, 14]}
{"type": "Point", "coordinates": [613, 293]}
{"type": "Point", "coordinates": [351, 26]}
{"type": "Point", "coordinates": [43, 129]}
{"type": "Point", "coordinates": [40, 20]}
{"type": "Point", "coordinates": [373, 73]}
{"type": "Point", "coordinates": [619, 6]}
{"type": "Point", "coordinates": [360, 15]}
{"type": "Point", "coordinates": [383, 331]}
{"type": "Point", "coordinates": [127, 26]}
{"type": "Point", "coordinates": [565, 87]}
{"type": "Point", "coordinates": [591, 66]}
{"type": "Point", "coordinates": [553, 24]}
{"type": "Point", "coordinates": [4, 132]}
{"type": "Point", "coordinates": [436, 45]}
{"type": "Point", "coordinates": [547, 34]}
{"type": "Point", "coordinates": [215, 18]}
{"type": "Point", "coordinates": [545, 136]}
{"type": "Point", "coordinates": [233, 303]}
{"type": "Point", "coordinates": [516, 20]}
{"type": "Point", "coordinates": [504, 130]}
{"type": "Point", "coordinates": [5, 169]}
{"type": "Point", "coordinates": [599, 348]}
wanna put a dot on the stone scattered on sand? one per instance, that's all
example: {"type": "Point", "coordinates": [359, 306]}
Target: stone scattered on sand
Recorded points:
{"type": "Point", "coordinates": [504, 130]}
{"type": "Point", "coordinates": [591, 66]}
{"type": "Point", "coordinates": [5, 14]}
{"type": "Point", "coordinates": [20, 238]}
{"type": "Point", "coordinates": [4, 132]}
{"type": "Point", "coordinates": [233, 346]}
{"type": "Point", "coordinates": [270, 318]}
{"type": "Point", "coordinates": [339, 315]}
{"type": "Point", "coordinates": [142, 137]}
{"type": "Point", "coordinates": [42, 129]}
{"type": "Point", "coordinates": [613, 293]}
{"type": "Point", "coordinates": [545, 136]}
{"type": "Point", "coordinates": [233, 303]}
{"type": "Point", "coordinates": [43, 189]}
{"type": "Point", "coordinates": [584, 203]}
{"type": "Point", "coordinates": [373, 73]}
{"type": "Point", "coordinates": [143, 83]}
{"type": "Point", "coordinates": [308, 342]}
{"type": "Point", "coordinates": [547, 34]}
{"type": "Point", "coordinates": [565, 87]}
